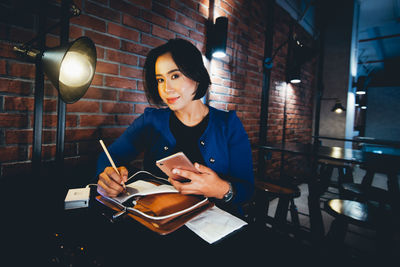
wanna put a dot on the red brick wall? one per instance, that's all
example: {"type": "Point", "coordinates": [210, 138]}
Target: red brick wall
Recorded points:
{"type": "Point", "coordinates": [299, 99]}
{"type": "Point", "coordinates": [124, 31]}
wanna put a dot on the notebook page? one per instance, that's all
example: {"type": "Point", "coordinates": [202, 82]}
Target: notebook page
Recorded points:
{"type": "Point", "coordinates": [143, 188]}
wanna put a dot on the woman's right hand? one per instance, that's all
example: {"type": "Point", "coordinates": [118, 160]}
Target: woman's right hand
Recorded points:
{"type": "Point", "coordinates": [110, 183]}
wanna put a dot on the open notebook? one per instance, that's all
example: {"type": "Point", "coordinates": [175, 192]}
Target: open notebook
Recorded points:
{"type": "Point", "coordinates": [141, 188]}
{"type": "Point", "coordinates": [199, 215]}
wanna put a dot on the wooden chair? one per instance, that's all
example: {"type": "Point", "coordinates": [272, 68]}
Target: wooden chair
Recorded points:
{"type": "Point", "coordinates": [326, 168]}
{"type": "Point", "coordinates": [362, 214]}
{"type": "Point", "coordinates": [390, 167]}
{"type": "Point", "coordinates": [365, 193]}
{"type": "Point", "coordinates": [265, 192]}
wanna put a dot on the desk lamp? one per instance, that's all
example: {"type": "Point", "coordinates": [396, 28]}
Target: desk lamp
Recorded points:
{"type": "Point", "coordinates": [70, 67]}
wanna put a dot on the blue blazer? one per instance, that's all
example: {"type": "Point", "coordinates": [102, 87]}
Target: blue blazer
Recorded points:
{"type": "Point", "coordinates": [224, 145]}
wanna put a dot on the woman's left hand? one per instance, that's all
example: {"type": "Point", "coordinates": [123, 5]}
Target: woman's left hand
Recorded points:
{"type": "Point", "coordinates": [206, 183]}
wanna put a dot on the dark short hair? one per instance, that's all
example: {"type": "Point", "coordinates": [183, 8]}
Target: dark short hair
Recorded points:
{"type": "Point", "coordinates": [189, 61]}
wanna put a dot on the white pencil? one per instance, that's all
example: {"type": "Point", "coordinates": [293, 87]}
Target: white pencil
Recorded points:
{"type": "Point", "coordinates": [111, 161]}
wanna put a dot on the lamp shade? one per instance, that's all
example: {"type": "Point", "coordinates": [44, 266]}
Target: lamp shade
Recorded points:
{"type": "Point", "coordinates": [362, 84]}
{"type": "Point", "coordinates": [71, 68]}
{"type": "Point", "coordinates": [294, 74]}
{"type": "Point", "coordinates": [220, 35]}
{"type": "Point", "coordinates": [295, 62]}
{"type": "Point", "coordinates": [338, 107]}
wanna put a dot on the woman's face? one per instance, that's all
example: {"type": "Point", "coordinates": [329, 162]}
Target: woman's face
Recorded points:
{"type": "Point", "coordinates": [174, 88]}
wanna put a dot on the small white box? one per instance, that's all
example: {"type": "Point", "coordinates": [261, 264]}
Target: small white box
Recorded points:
{"type": "Point", "coordinates": [77, 198]}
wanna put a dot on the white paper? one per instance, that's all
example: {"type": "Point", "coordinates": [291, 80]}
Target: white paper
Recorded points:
{"type": "Point", "coordinates": [143, 188]}
{"type": "Point", "coordinates": [214, 223]}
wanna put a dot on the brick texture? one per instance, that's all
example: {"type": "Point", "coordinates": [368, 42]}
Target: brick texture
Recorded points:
{"type": "Point", "coordinates": [124, 32]}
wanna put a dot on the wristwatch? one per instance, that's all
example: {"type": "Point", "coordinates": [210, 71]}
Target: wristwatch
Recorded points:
{"type": "Point", "coordinates": [229, 195]}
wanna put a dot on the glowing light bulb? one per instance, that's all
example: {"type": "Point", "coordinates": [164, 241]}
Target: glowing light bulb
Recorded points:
{"type": "Point", "coordinates": [219, 54]}
{"type": "Point", "coordinates": [295, 81]}
{"type": "Point", "coordinates": [75, 70]}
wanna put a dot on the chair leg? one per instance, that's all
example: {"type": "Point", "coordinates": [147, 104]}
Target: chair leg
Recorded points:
{"type": "Point", "coordinates": [348, 176]}
{"type": "Point", "coordinates": [325, 177]}
{"type": "Point", "coordinates": [345, 176]}
{"type": "Point", "coordinates": [394, 191]}
{"type": "Point", "coordinates": [367, 180]}
{"type": "Point", "coordinates": [261, 209]}
{"type": "Point", "coordinates": [337, 231]}
{"type": "Point", "coordinates": [386, 244]}
{"type": "Point", "coordinates": [341, 178]}
{"type": "Point", "coordinates": [294, 214]}
{"type": "Point", "coordinates": [316, 221]}
{"type": "Point", "coordinates": [322, 169]}
{"type": "Point", "coordinates": [281, 213]}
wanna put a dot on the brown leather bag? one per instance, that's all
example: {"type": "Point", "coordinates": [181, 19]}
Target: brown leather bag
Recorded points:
{"type": "Point", "coordinates": [162, 213]}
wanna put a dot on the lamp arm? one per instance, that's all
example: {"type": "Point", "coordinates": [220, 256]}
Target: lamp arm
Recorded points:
{"type": "Point", "coordinates": [30, 53]}
{"type": "Point", "coordinates": [74, 11]}
{"type": "Point", "coordinates": [279, 48]}
{"type": "Point", "coordinates": [268, 61]}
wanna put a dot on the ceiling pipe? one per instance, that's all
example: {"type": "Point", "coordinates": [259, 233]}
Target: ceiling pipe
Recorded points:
{"type": "Point", "coordinates": [372, 61]}
{"type": "Point", "coordinates": [379, 38]}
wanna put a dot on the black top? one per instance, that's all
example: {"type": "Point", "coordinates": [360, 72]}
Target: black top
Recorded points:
{"type": "Point", "coordinates": [187, 137]}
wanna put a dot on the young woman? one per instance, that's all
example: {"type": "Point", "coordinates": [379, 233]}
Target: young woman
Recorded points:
{"type": "Point", "coordinates": [214, 140]}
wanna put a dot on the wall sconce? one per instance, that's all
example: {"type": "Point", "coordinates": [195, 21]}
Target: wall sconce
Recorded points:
{"type": "Point", "coordinates": [216, 39]}
{"type": "Point", "coordinates": [293, 75]}
{"type": "Point", "coordinates": [361, 91]}
{"type": "Point", "coordinates": [297, 56]}
{"type": "Point", "coordinates": [362, 84]}
{"type": "Point", "coordinates": [362, 101]}
{"type": "Point", "coordinates": [70, 67]}
{"type": "Point", "coordinates": [338, 107]}
{"type": "Point", "coordinates": [295, 60]}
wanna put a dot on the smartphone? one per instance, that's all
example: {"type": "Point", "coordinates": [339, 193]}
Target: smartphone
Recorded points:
{"type": "Point", "coordinates": [177, 160]}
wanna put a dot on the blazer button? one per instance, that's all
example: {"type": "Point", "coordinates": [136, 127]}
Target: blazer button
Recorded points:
{"type": "Point", "coordinates": [202, 143]}
{"type": "Point", "coordinates": [212, 160]}
{"type": "Point", "coordinates": [165, 148]}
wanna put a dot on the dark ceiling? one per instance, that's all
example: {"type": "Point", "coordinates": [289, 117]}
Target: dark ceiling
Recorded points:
{"type": "Point", "coordinates": [378, 49]}
{"type": "Point", "coordinates": [377, 23]}
{"type": "Point", "coordinates": [379, 41]}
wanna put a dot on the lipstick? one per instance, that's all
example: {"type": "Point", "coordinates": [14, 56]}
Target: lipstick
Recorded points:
{"type": "Point", "coordinates": [172, 100]}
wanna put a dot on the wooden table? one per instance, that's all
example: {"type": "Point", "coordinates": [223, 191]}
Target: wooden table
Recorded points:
{"type": "Point", "coordinates": [38, 231]}
{"type": "Point", "coordinates": [371, 155]}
